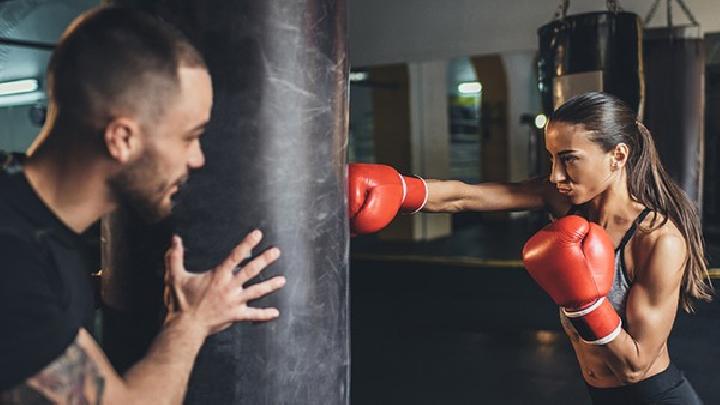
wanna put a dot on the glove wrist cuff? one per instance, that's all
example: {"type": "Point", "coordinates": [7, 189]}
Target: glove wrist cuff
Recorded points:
{"type": "Point", "coordinates": [597, 324]}
{"type": "Point", "coordinates": [416, 194]}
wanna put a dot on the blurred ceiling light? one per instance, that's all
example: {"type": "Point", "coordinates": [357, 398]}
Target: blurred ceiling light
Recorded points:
{"type": "Point", "coordinates": [470, 88]}
{"type": "Point", "coordinates": [540, 121]}
{"type": "Point", "coordinates": [18, 87]}
{"type": "Point", "coordinates": [358, 76]}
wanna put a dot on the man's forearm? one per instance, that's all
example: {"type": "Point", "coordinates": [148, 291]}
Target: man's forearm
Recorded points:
{"type": "Point", "coordinates": [161, 377]}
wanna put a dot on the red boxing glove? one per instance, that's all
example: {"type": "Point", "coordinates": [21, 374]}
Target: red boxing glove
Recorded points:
{"type": "Point", "coordinates": [378, 192]}
{"type": "Point", "coordinates": [573, 260]}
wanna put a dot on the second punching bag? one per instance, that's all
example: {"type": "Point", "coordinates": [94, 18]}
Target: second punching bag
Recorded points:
{"type": "Point", "coordinates": [600, 51]}
{"type": "Point", "coordinates": [675, 81]}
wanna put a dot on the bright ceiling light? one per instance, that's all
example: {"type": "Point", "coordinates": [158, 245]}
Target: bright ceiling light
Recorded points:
{"type": "Point", "coordinates": [358, 76]}
{"type": "Point", "coordinates": [18, 87]}
{"type": "Point", "coordinates": [470, 88]}
{"type": "Point", "coordinates": [540, 121]}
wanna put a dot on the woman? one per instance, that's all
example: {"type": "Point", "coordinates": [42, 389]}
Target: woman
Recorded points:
{"type": "Point", "coordinates": [604, 168]}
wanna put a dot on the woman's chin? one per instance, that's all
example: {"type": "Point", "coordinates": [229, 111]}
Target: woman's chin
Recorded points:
{"type": "Point", "coordinates": [578, 199]}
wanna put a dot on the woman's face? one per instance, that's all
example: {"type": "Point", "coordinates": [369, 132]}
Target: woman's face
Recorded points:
{"type": "Point", "coordinates": [581, 170]}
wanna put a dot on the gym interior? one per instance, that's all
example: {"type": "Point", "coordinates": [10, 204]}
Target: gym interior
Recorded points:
{"type": "Point", "coordinates": [435, 308]}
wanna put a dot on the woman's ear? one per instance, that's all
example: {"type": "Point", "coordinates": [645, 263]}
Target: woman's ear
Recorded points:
{"type": "Point", "coordinates": [122, 139]}
{"type": "Point", "coordinates": [620, 155]}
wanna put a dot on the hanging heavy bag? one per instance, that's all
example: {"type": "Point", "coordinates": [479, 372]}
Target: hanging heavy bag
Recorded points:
{"type": "Point", "coordinates": [598, 51]}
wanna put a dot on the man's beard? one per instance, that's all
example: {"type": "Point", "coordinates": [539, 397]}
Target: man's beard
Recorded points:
{"type": "Point", "coordinates": [141, 188]}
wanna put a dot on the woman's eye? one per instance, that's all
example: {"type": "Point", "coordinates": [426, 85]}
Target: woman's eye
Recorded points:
{"type": "Point", "coordinates": [568, 159]}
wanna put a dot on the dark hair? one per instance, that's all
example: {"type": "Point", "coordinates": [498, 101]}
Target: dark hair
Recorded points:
{"type": "Point", "coordinates": [115, 59]}
{"type": "Point", "coordinates": [611, 122]}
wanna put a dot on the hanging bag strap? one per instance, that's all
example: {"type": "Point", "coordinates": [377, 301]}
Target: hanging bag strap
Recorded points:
{"type": "Point", "coordinates": [612, 5]}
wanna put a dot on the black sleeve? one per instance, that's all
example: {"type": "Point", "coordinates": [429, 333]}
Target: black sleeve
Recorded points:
{"type": "Point", "coordinates": [34, 329]}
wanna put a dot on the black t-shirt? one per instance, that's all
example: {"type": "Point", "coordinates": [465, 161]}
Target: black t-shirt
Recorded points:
{"type": "Point", "coordinates": [46, 294]}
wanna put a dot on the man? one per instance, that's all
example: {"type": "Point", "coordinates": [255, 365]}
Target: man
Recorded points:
{"type": "Point", "coordinates": [129, 98]}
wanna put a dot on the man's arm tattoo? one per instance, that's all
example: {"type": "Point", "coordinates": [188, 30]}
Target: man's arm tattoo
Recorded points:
{"type": "Point", "coordinates": [73, 378]}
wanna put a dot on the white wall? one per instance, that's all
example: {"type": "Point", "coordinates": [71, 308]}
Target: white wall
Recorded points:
{"type": "Point", "coordinates": [523, 97]}
{"type": "Point", "coordinates": [391, 31]}
{"type": "Point", "coordinates": [429, 139]}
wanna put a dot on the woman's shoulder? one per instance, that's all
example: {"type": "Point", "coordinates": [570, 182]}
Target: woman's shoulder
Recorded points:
{"type": "Point", "coordinates": [659, 243]}
{"type": "Point", "coordinates": [655, 229]}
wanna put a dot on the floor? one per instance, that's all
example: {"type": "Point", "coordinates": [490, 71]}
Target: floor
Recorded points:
{"type": "Point", "coordinates": [429, 329]}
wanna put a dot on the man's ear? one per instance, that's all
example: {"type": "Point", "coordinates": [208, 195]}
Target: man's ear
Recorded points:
{"type": "Point", "coordinates": [122, 139]}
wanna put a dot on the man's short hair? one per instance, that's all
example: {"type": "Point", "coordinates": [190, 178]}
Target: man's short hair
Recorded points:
{"type": "Point", "coordinates": [116, 60]}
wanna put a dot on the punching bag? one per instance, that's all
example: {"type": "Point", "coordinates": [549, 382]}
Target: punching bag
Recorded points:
{"type": "Point", "coordinates": [275, 160]}
{"type": "Point", "coordinates": [599, 51]}
{"type": "Point", "coordinates": [675, 107]}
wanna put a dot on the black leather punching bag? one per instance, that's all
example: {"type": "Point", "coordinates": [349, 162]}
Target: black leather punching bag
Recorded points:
{"type": "Point", "coordinates": [599, 51]}
{"type": "Point", "coordinates": [675, 107]}
{"type": "Point", "coordinates": [275, 160]}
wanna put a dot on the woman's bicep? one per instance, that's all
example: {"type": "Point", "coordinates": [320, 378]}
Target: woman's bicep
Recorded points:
{"type": "Point", "coordinates": [653, 300]}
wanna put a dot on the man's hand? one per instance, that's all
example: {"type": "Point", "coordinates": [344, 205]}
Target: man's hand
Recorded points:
{"type": "Point", "coordinates": [201, 304]}
{"type": "Point", "coordinates": [217, 298]}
